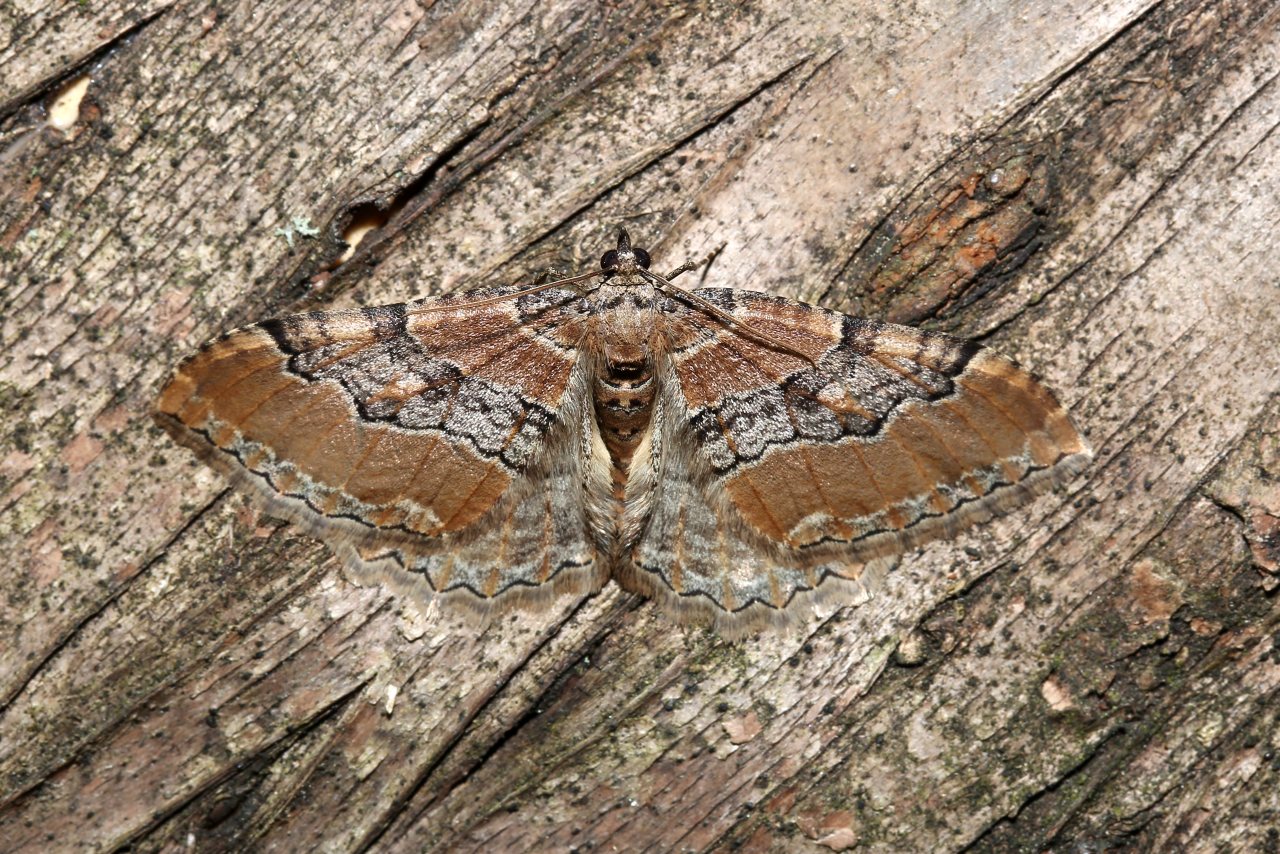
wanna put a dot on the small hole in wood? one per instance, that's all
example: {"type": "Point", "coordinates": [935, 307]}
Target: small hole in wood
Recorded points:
{"type": "Point", "coordinates": [64, 111]}
{"type": "Point", "coordinates": [364, 219]}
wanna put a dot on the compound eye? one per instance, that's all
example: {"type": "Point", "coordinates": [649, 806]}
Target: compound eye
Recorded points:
{"type": "Point", "coordinates": [609, 260]}
{"type": "Point", "coordinates": [642, 258]}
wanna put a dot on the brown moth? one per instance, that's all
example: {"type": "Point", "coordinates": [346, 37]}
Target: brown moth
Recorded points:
{"type": "Point", "coordinates": [728, 453]}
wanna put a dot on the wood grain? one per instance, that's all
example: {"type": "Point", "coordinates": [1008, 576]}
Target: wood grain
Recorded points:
{"type": "Point", "coordinates": [1087, 187]}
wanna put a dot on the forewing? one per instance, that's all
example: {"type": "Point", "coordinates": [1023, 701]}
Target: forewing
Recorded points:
{"type": "Point", "coordinates": [826, 443]}
{"type": "Point", "coordinates": [415, 427]}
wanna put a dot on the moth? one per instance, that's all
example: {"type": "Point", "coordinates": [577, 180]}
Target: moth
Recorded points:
{"type": "Point", "coordinates": [731, 454]}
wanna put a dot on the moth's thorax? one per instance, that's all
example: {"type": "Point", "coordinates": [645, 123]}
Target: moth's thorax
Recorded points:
{"type": "Point", "coordinates": [624, 318]}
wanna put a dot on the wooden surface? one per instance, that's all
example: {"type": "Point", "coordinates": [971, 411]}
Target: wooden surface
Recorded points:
{"type": "Point", "coordinates": [1089, 187]}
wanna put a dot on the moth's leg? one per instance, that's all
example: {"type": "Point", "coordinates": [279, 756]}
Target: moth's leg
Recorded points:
{"type": "Point", "coordinates": [686, 267]}
{"type": "Point", "coordinates": [550, 274]}
{"type": "Point", "coordinates": [689, 266]}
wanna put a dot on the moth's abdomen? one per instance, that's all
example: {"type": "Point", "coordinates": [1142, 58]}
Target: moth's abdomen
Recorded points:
{"type": "Point", "coordinates": [624, 405]}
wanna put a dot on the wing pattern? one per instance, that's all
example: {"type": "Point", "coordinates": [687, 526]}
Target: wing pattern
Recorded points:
{"type": "Point", "coordinates": [804, 445]}
{"type": "Point", "coordinates": [397, 433]}
{"type": "Point", "coordinates": [732, 454]}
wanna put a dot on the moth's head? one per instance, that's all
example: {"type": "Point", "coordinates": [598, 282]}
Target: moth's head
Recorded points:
{"type": "Point", "coordinates": [624, 260]}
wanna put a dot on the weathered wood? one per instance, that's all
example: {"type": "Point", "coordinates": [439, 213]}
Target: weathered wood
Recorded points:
{"type": "Point", "coordinates": [1087, 186]}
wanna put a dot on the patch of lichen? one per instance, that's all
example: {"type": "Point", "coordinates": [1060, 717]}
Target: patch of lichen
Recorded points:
{"type": "Point", "coordinates": [214, 599]}
{"type": "Point", "coordinates": [1000, 770]}
{"type": "Point", "coordinates": [1130, 683]}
